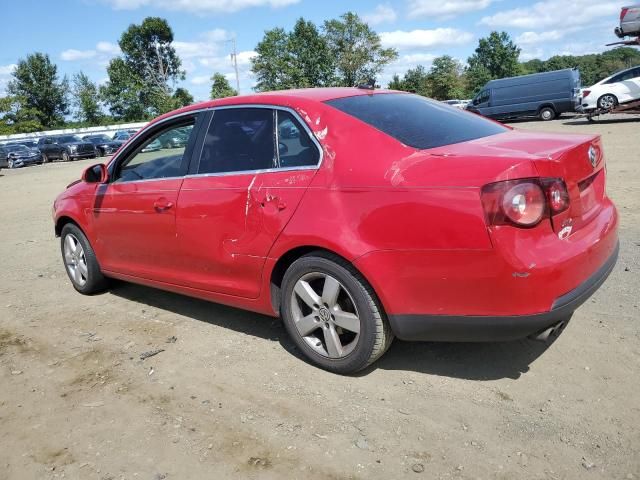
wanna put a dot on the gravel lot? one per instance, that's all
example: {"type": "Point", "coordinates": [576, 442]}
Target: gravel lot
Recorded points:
{"type": "Point", "coordinates": [229, 396]}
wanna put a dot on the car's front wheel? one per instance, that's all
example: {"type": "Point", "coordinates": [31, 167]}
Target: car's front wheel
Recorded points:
{"type": "Point", "coordinates": [11, 163]}
{"type": "Point", "coordinates": [547, 113]}
{"type": "Point", "coordinates": [80, 261]}
{"type": "Point", "coordinates": [332, 314]}
{"type": "Point", "coordinates": [65, 156]}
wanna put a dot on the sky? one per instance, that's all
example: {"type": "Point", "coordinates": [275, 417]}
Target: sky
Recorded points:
{"type": "Point", "coordinates": [82, 35]}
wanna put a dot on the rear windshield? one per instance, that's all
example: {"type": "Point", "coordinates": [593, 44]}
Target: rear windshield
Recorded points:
{"type": "Point", "coordinates": [416, 121]}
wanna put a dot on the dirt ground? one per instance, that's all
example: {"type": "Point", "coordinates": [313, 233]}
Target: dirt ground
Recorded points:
{"type": "Point", "coordinates": [229, 396]}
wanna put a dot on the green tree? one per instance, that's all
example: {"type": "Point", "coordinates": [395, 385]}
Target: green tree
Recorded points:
{"type": "Point", "coordinates": [141, 82]}
{"type": "Point", "coordinates": [86, 100]}
{"type": "Point", "coordinates": [496, 57]}
{"type": "Point", "coordinates": [296, 59]}
{"type": "Point", "coordinates": [16, 118]}
{"type": "Point", "coordinates": [35, 82]}
{"type": "Point", "coordinates": [220, 88]}
{"type": "Point", "coordinates": [445, 78]}
{"type": "Point", "coordinates": [357, 49]}
{"type": "Point", "coordinates": [182, 97]}
{"type": "Point", "coordinates": [415, 80]}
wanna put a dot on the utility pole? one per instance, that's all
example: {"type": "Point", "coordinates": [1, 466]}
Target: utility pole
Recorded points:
{"type": "Point", "coordinates": [234, 60]}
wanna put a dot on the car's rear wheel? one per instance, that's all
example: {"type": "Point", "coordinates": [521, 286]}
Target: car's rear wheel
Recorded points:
{"type": "Point", "coordinates": [547, 113]}
{"type": "Point", "coordinates": [607, 101]}
{"type": "Point", "coordinates": [65, 157]}
{"type": "Point", "coordinates": [45, 159]}
{"type": "Point", "coordinates": [80, 261]}
{"type": "Point", "coordinates": [332, 314]}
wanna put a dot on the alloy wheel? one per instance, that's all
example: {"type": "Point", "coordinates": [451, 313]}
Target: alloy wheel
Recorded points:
{"type": "Point", "coordinates": [10, 164]}
{"type": "Point", "coordinates": [75, 260]}
{"type": "Point", "coordinates": [607, 101]}
{"type": "Point", "coordinates": [325, 315]}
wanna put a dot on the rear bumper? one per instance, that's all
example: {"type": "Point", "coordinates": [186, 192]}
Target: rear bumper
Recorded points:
{"type": "Point", "coordinates": [469, 328]}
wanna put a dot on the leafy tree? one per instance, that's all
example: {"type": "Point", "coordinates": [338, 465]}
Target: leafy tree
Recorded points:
{"type": "Point", "coordinates": [182, 97]}
{"type": "Point", "coordinates": [445, 78]}
{"type": "Point", "coordinates": [296, 59]}
{"type": "Point", "coordinates": [141, 82]}
{"type": "Point", "coordinates": [415, 80]}
{"type": "Point", "coordinates": [357, 49]}
{"type": "Point", "coordinates": [220, 87]}
{"type": "Point", "coordinates": [496, 57]}
{"type": "Point", "coordinates": [35, 83]}
{"type": "Point", "coordinates": [16, 118]}
{"type": "Point", "coordinates": [86, 99]}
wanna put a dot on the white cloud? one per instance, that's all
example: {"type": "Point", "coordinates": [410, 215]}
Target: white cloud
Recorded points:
{"type": "Point", "coordinates": [535, 38]}
{"type": "Point", "coordinates": [381, 14]}
{"type": "Point", "coordinates": [5, 73]}
{"type": "Point", "coordinates": [445, 8]}
{"type": "Point", "coordinates": [550, 13]}
{"type": "Point", "coordinates": [195, 49]}
{"type": "Point", "coordinates": [425, 38]}
{"type": "Point", "coordinates": [527, 55]}
{"type": "Point", "coordinates": [199, 6]}
{"type": "Point", "coordinates": [108, 48]}
{"type": "Point", "coordinates": [7, 69]}
{"type": "Point", "coordinates": [201, 79]}
{"type": "Point", "coordinates": [72, 54]}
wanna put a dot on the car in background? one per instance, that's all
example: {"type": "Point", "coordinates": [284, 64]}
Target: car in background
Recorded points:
{"type": "Point", "coordinates": [29, 143]}
{"type": "Point", "coordinates": [174, 139]}
{"type": "Point", "coordinates": [629, 22]}
{"type": "Point", "coordinates": [621, 87]}
{"type": "Point", "coordinates": [423, 222]}
{"type": "Point", "coordinates": [65, 148]}
{"type": "Point", "coordinates": [17, 155]}
{"type": "Point", "coordinates": [461, 104]}
{"type": "Point", "coordinates": [543, 95]}
{"type": "Point", "coordinates": [125, 136]}
{"type": "Point", "coordinates": [104, 145]}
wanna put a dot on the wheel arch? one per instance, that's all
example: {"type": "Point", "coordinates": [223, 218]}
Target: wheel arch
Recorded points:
{"type": "Point", "coordinates": [550, 105]}
{"type": "Point", "coordinates": [64, 220]}
{"type": "Point", "coordinates": [286, 260]}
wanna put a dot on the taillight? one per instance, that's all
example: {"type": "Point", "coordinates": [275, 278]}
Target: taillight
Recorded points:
{"type": "Point", "coordinates": [585, 93]}
{"type": "Point", "coordinates": [623, 12]}
{"type": "Point", "coordinates": [524, 202]}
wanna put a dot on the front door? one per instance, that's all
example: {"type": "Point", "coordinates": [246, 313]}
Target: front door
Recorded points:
{"type": "Point", "coordinates": [248, 182]}
{"type": "Point", "coordinates": [134, 214]}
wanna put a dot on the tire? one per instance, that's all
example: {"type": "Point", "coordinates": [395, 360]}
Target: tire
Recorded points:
{"type": "Point", "coordinates": [99, 153]}
{"type": "Point", "coordinates": [10, 164]}
{"type": "Point", "coordinates": [325, 333]}
{"type": "Point", "coordinates": [65, 156]}
{"type": "Point", "coordinates": [607, 101]}
{"type": "Point", "coordinates": [547, 113]}
{"type": "Point", "coordinates": [45, 159]}
{"type": "Point", "coordinates": [88, 279]}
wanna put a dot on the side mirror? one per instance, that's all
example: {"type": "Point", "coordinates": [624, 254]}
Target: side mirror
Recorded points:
{"type": "Point", "coordinates": [95, 174]}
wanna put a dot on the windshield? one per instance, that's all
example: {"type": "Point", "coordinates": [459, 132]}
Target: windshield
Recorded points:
{"type": "Point", "coordinates": [99, 138]}
{"type": "Point", "coordinates": [417, 121]}
{"type": "Point", "coordinates": [17, 148]}
{"type": "Point", "coordinates": [69, 139]}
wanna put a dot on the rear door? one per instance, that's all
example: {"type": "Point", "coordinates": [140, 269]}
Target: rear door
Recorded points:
{"type": "Point", "coordinates": [240, 194]}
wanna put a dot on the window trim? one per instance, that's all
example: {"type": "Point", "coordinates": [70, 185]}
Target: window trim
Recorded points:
{"type": "Point", "coordinates": [263, 170]}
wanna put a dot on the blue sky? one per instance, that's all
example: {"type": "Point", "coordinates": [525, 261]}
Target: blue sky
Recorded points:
{"type": "Point", "coordinates": [83, 34]}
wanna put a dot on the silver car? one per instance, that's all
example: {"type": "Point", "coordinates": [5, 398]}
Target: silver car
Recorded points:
{"type": "Point", "coordinates": [629, 22]}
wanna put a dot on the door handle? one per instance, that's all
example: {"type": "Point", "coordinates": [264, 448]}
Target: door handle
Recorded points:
{"type": "Point", "coordinates": [162, 204]}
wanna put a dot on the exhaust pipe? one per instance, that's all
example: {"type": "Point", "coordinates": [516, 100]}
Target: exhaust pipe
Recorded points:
{"type": "Point", "coordinates": [549, 333]}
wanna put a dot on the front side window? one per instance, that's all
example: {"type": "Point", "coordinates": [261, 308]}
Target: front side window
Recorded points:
{"type": "Point", "coordinates": [416, 121]}
{"type": "Point", "coordinates": [239, 140]}
{"type": "Point", "coordinates": [295, 147]}
{"type": "Point", "coordinates": [153, 160]}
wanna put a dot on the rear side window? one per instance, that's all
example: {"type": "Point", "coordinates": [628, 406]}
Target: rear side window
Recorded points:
{"type": "Point", "coordinates": [416, 121]}
{"type": "Point", "coordinates": [295, 147]}
{"type": "Point", "coordinates": [239, 140]}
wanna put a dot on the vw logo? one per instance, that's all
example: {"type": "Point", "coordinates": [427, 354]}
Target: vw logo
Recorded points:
{"type": "Point", "coordinates": [324, 314]}
{"type": "Point", "coordinates": [593, 156]}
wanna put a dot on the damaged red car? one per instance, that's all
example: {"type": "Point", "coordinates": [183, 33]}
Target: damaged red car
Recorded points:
{"type": "Point", "coordinates": [356, 215]}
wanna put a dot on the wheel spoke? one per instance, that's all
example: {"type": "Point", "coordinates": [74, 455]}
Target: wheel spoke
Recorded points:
{"type": "Point", "coordinates": [332, 340]}
{"type": "Point", "coordinates": [306, 293]}
{"type": "Point", "coordinates": [307, 325]}
{"type": "Point", "coordinates": [68, 257]}
{"type": "Point", "coordinates": [76, 275]}
{"type": "Point", "coordinates": [330, 291]}
{"type": "Point", "coordinates": [346, 320]}
{"type": "Point", "coordinates": [82, 267]}
{"type": "Point", "coordinates": [70, 244]}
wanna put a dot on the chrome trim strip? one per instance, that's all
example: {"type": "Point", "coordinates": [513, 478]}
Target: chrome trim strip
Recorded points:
{"type": "Point", "coordinates": [251, 172]}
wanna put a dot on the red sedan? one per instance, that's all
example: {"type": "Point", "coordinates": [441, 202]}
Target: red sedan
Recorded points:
{"type": "Point", "coordinates": [355, 215]}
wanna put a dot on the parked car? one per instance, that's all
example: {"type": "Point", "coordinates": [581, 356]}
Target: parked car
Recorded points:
{"type": "Point", "coordinates": [619, 88]}
{"type": "Point", "coordinates": [31, 144]}
{"type": "Point", "coordinates": [629, 22]}
{"type": "Point", "coordinates": [544, 95]}
{"type": "Point", "coordinates": [104, 145]}
{"type": "Point", "coordinates": [65, 148]}
{"type": "Point", "coordinates": [462, 104]}
{"type": "Point", "coordinates": [424, 222]}
{"type": "Point", "coordinates": [122, 136]}
{"type": "Point", "coordinates": [17, 155]}
{"type": "Point", "coordinates": [173, 139]}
